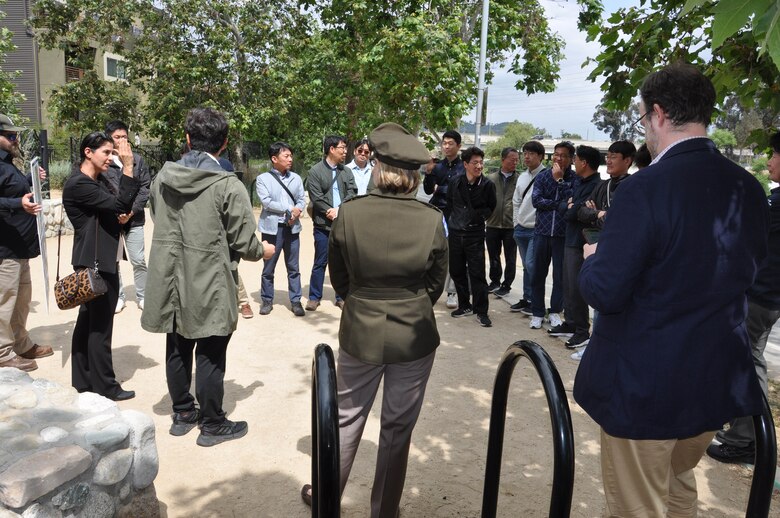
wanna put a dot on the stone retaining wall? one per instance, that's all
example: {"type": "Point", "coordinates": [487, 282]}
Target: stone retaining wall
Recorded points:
{"type": "Point", "coordinates": [66, 454]}
{"type": "Point", "coordinates": [56, 219]}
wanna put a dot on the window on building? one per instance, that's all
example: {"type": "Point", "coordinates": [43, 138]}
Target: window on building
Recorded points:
{"type": "Point", "coordinates": [115, 68]}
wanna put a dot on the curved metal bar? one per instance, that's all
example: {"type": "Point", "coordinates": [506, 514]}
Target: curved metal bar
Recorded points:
{"type": "Point", "coordinates": [560, 416]}
{"type": "Point", "coordinates": [325, 461]}
{"type": "Point", "coordinates": [766, 464]}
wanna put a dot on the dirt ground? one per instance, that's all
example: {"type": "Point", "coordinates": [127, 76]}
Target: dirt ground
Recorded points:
{"type": "Point", "coordinates": [268, 384]}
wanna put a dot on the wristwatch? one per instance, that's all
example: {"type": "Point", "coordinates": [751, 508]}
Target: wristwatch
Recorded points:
{"type": "Point", "coordinates": [559, 180]}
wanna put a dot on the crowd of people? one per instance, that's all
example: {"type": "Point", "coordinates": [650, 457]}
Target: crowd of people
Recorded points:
{"type": "Point", "coordinates": [673, 260]}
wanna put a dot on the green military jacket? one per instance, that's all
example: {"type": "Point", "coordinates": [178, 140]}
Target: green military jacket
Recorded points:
{"type": "Point", "coordinates": [503, 213]}
{"type": "Point", "coordinates": [387, 258]}
{"type": "Point", "coordinates": [201, 213]}
{"type": "Point", "coordinates": [319, 183]}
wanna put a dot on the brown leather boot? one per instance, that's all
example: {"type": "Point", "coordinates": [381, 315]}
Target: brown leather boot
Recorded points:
{"type": "Point", "coordinates": [20, 363]}
{"type": "Point", "coordinates": [37, 351]}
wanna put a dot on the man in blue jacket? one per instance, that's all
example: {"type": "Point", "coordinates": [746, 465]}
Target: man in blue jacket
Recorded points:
{"type": "Point", "coordinates": [669, 361]}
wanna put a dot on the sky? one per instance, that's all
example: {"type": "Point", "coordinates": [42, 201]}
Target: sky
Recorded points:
{"type": "Point", "coordinates": [571, 106]}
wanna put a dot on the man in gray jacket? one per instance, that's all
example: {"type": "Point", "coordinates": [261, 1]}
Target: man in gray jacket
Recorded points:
{"type": "Point", "coordinates": [330, 183]}
{"type": "Point", "coordinates": [280, 190]}
{"type": "Point", "coordinates": [202, 220]}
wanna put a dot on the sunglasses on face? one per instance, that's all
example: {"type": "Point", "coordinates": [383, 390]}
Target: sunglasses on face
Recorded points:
{"type": "Point", "coordinates": [10, 136]}
{"type": "Point", "coordinates": [362, 152]}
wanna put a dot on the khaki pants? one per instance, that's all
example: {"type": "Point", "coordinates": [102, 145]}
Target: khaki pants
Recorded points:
{"type": "Point", "coordinates": [651, 478]}
{"type": "Point", "coordinates": [15, 296]}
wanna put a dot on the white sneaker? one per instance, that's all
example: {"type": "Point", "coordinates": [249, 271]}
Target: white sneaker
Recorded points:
{"type": "Point", "coordinates": [555, 319]}
{"type": "Point", "coordinates": [452, 301]}
{"type": "Point", "coordinates": [120, 305]}
{"type": "Point", "coordinates": [141, 304]}
{"type": "Point", "coordinates": [578, 355]}
{"type": "Point", "coordinates": [536, 323]}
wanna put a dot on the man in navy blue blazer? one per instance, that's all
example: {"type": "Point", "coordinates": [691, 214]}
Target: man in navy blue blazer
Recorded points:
{"type": "Point", "coordinates": [669, 361]}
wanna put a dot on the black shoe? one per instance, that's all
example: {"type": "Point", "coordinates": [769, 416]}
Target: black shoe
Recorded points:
{"type": "Point", "coordinates": [297, 309]}
{"type": "Point", "coordinates": [503, 290]}
{"type": "Point", "coordinates": [519, 306]}
{"type": "Point", "coordinates": [484, 321]}
{"type": "Point", "coordinates": [578, 340]}
{"type": "Point", "coordinates": [227, 431]}
{"type": "Point", "coordinates": [266, 307]}
{"type": "Point", "coordinates": [731, 454]}
{"type": "Point", "coordinates": [123, 395]}
{"type": "Point", "coordinates": [461, 312]}
{"type": "Point", "coordinates": [493, 286]}
{"type": "Point", "coordinates": [306, 494]}
{"type": "Point", "coordinates": [527, 311]}
{"type": "Point", "coordinates": [564, 329]}
{"type": "Point", "coordinates": [183, 422]}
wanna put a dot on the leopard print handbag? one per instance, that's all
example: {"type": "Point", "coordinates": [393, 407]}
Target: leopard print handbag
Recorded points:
{"type": "Point", "coordinates": [81, 286]}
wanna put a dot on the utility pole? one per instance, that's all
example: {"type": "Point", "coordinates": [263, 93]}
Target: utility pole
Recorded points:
{"type": "Point", "coordinates": [482, 57]}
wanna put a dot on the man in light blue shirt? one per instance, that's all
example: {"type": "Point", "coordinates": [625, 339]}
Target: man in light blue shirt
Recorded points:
{"type": "Point", "coordinates": [281, 193]}
{"type": "Point", "coordinates": [361, 167]}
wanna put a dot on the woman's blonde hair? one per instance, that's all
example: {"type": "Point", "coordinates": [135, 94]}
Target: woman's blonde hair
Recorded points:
{"type": "Point", "coordinates": [394, 179]}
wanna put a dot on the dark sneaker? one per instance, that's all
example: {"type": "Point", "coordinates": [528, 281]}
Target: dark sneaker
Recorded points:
{"type": "Point", "coordinates": [493, 286]}
{"type": "Point", "coordinates": [183, 422]}
{"type": "Point", "coordinates": [266, 308]}
{"type": "Point", "coordinates": [527, 311]}
{"type": "Point", "coordinates": [563, 329]}
{"type": "Point", "coordinates": [227, 431]}
{"type": "Point", "coordinates": [484, 321]}
{"type": "Point", "coordinates": [461, 312]}
{"type": "Point", "coordinates": [519, 306]}
{"type": "Point", "coordinates": [297, 309]}
{"type": "Point", "coordinates": [731, 454]}
{"type": "Point", "coordinates": [578, 340]}
{"type": "Point", "coordinates": [502, 291]}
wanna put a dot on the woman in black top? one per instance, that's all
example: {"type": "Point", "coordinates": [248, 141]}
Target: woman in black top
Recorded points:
{"type": "Point", "coordinates": [97, 212]}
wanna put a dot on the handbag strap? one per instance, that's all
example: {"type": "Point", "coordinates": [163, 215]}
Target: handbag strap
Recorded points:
{"type": "Point", "coordinates": [283, 186]}
{"type": "Point", "coordinates": [97, 224]}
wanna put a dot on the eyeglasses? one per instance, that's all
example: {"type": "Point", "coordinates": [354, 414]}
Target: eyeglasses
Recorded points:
{"type": "Point", "coordinates": [341, 146]}
{"type": "Point", "coordinates": [10, 136]}
{"type": "Point", "coordinates": [637, 127]}
{"type": "Point", "coordinates": [365, 152]}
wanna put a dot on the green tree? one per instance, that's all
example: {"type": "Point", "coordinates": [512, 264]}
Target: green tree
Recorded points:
{"type": "Point", "coordinates": [724, 140]}
{"type": "Point", "coordinates": [618, 124]}
{"type": "Point", "coordinates": [735, 42]}
{"type": "Point", "coordinates": [567, 135]}
{"type": "Point", "coordinates": [515, 135]}
{"type": "Point", "coordinates": [9, 97]}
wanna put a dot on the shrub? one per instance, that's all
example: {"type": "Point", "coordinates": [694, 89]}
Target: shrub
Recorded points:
{"type": "Point", "coordinates": [759, 164]}
{"type": "Point", "coordinates": [58, 172]}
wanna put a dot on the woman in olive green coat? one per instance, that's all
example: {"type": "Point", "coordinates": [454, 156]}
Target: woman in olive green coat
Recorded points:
{"type": "Point", "coordinates": [387, 258]}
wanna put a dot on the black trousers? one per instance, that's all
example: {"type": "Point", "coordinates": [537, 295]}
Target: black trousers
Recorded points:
{"type": "Point", "coordinates": [547, 249]}
{"type": "Point", "coordinates": [210, 357]}
{"type": "Point", "coordinates": [575, 307]}
{"type": "Point", "coordinates": [495, 239]}
{"type": "Point", "coordinates": [91, 364]}
{"type": "Point", "coordinates": [467, 262]}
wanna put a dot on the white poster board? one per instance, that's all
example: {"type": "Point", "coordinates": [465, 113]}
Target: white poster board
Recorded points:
{"type": "Point", "coordinates": [41, 221]}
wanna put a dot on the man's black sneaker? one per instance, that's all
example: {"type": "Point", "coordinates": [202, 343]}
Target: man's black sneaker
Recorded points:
{"type": "Point", "coordinates": [731, 454]}
{"type": "Point", "coordinates": [227, 431]}
{"type": "Point", "coordinates": [493, 286]}
{"type": "Point", "coordinates": [527, 311]}
{"type": "Point", "coordinates": [577, 340]}
{"type": "Point", "coordinates": [564, 329]}
{"type": "Point", "coordinates": [183, 422]}
{"type": "Point", "coordinates": [519, 306]}
{"type": "Point", "coordinates": [297, 309]}
{"type": "Point", "coordinates": [503, 290]}
{"type": "Point", "coordinates": [484, 321]}
{"type": "Point", "coordinates": [266, 307]}
{"type": "Point", "coordinates": [461, 312]}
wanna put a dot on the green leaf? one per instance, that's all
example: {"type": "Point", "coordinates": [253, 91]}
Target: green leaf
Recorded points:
{"type": "Point", "coordinates": [692, 4]}
{"type": "Point", "coordinates": [732, 15]}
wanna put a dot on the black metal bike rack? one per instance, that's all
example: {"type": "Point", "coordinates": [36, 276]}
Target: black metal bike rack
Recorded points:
{"type": "Point", "coordinates": [765, 465]}
{"type": "Point", "coordinates": [563, 436]}
{"type": "Point", "coordinates": [325, 463]}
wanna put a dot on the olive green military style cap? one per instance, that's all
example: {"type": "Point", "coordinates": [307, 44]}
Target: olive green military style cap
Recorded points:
{"type": "Point", "coordinates": [395, 146]}
{"type": "Point", "coordinates": [6, 124]}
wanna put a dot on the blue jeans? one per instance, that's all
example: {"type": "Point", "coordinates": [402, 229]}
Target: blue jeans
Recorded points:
{"type": "Point", "coordinates": [134, 241]}
{"type": "Point", "coordinates": [524, 237]}
{"type": "Point", "coordinates": [320, 263]}
{"type": "Point", "coordinates": [547, 250]}
{"type": "Point", "coordinates": [284, 239]}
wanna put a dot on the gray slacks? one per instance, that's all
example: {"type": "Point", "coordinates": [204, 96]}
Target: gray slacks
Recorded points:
{"type": "Point", "coordinates": [402, 398]}
{"type": "Point", "coordinates": [759, 323]}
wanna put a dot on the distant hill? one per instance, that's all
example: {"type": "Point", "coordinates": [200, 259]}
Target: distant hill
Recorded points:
{"type": "Point", "coordinates": [492, 129]}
